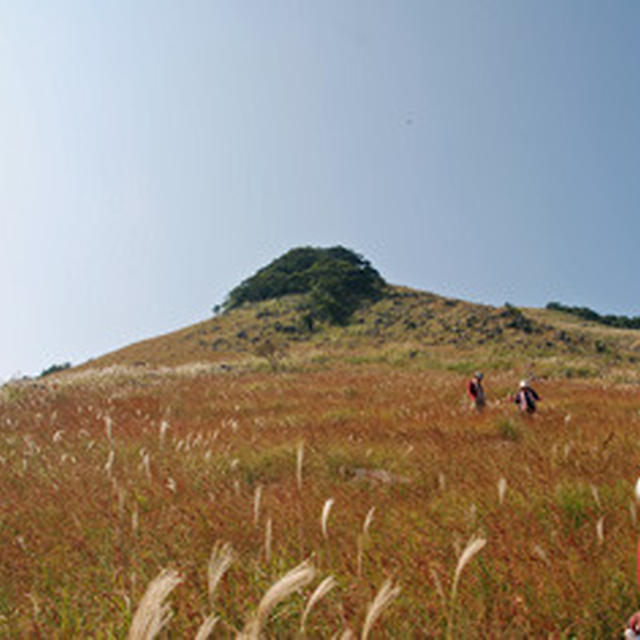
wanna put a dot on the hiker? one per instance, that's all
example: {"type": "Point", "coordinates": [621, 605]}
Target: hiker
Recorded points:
{"type": "Point", "coordinates": [632, 632]}
{"type": "Point", "coordinates": [526, 397]}
{"type": "Point", "coordinates": [476, 392]}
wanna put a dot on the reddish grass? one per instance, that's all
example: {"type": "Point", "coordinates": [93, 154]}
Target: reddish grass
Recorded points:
{"type": "Point", "coordinates": [73, 565]}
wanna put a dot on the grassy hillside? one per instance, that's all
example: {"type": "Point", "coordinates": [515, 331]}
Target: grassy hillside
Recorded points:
{"type": "Point", "coordinates": [350, 449]}
{"type": "Point", "coordinates": [406, 326]}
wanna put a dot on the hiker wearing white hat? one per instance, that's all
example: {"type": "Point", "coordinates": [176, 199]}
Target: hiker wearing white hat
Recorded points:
{"type": "Point", "coordinates": [526, 397]}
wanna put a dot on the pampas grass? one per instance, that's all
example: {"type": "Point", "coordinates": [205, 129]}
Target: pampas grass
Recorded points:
{"type": "Point", "coordinates": [153, 612]}
{"type": "Point", "coordinates": [164, 427]}
{"type": "Point", "coordinates": [360, 554]}
{"type": "Point", "coordinates": [473, 546]}
{"type": "Point", "coordinates": [383, 599]}
{"type": "Point", "coordinates": [502, 489]}
{"type": "Point", "coordinates": [367, 522]}
{"type": "Point", "coordinates": [221, 558]}
{"type": "Point", "coordinates": [268, 537]}
{"type": "Point", "coordinates": [320, 592]}
{"type": "Point", "coordinates": [299, 461]}
{"type": "Point", "coordinates": [257, 498]}
{"type": "Point", "coordinates": [326, 509]}
{"type": "Point", "coordinates": [108, 427]}
{"type": "Point", "coordinates": [109, 464]}
{"type": "Point", "coordinates": [596, 496]}
{"type": "Point", "coordinates": [206, 628]}
{"type": "Point", "coordinates": [600, 530]}
{"type": "Point", "coordinates": [295, 579]}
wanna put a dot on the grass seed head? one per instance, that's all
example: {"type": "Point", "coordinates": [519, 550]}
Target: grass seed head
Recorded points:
{"type": "Point", "coordinates": [295, 579]}
{"type": "Point", "coordinates": [257, 497]}
{"type": "Point", "coordinates": [320, 592]}
{"type": "Point", "coordinates": [206, 628]}
{"type": "Point", "coordinates": [153, 612]}
{"type": "Point", "coordinates": [383, 599]}
{"type": "Point", "coordinates": [268, 539]}
{"type": "Point", "coordinates": [367, 521]}
{"type": "Point", "coordinates": [502, 489]}
{"type": "Point", "coordinates": [326, 509]}
{"type": "Point", "coordinates": [299, 461]}
{"type": "Point", "coordinates": [221, 558]}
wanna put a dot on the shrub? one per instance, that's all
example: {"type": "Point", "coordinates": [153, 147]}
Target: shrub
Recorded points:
{"type": "Point", "coordinates": [508, 430]}
{"type": "Point", "coordinates": [55, 368]}
{"type": "Point", "coordinates": [610, 320]}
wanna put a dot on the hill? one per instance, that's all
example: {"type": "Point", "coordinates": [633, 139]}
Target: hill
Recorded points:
{"type": "Point", "coordinates": [209, 463]}
{"type": "Point", "coordinates": [405, 325]}
{"type": "Point", "coordinates": [359, 457]}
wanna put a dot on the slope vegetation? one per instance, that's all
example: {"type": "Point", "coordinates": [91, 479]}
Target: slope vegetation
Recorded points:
{"type": "Point", "coordinates": [404, 324]}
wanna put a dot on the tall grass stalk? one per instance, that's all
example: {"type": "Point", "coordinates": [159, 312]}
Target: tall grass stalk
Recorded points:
{"type": "Point", "coordinates": [153, 612]}
{"type": "Point", "coordinates": [108, 426]}
{"type": "Point", "coordinates": [326, 509]}
{"type": "Point", "coordinates": [473, 546]}
{"type": "Point", "coordinates": [257, 498]}
{"type": "Point", "coordinates": [600, 530]}
{"type": "Point", "coordinates": [134, 519]}
{"type": "Point", "coordinates": [109, 465]}
{"type": "Point", "coordinates": [221, 559]}
{"type": "Point", "coordinates": [596, 496]}
{"type": "Point", "coordinates": [439, 589]}
{"type": "Point", "coordinates": [146, 464]}
{"type": "Point", "coordinates": [367, 522]}
{"type": "Point", "coordinates": [164, 427]}
{"type": "Point", "coordinates": [268, 537]}
{"type": "Point", "coordinates": [295, 579]}
{"type": "Point", "coordinates": [383, 599]}
{"type": "Point", "coordinates": [206, 627]}
{"type": "Point", "coordinates": [502, 489]}
{"type": "Point", "coordinates": [320, 592]}
{"type": "Point", "coordinates": [299, 461]}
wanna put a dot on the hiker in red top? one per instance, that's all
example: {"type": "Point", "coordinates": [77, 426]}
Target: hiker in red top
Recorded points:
{"type": "Point", "coordinates": [476, 392]}
{"type": "Point", "coordinates": [526, 398]}
{"type": "Point", "coordinates": [632, 632]}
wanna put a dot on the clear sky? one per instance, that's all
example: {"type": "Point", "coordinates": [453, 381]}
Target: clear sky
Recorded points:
{"type": "Point", "coordinates": [155, 153]}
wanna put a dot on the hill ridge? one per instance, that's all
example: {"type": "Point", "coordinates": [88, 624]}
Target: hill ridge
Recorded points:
{"type": "Point", "coordinates": [407, 321]}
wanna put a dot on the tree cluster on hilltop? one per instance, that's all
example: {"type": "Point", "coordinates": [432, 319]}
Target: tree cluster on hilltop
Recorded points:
{"type": "Point", "coordinates": [619, 322]}
{"type": "Point", "coordinates": [335, 281]}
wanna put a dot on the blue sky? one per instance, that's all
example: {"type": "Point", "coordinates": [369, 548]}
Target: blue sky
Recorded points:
{"type": "Point", "coordinates": [155, 153]}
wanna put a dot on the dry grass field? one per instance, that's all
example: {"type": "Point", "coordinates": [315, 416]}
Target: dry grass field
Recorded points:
{"type": "Point", "coordinates": [368, 466]}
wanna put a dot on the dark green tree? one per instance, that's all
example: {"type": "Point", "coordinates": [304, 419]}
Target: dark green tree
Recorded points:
{"type": "Point", "coordinates": [334, 280]}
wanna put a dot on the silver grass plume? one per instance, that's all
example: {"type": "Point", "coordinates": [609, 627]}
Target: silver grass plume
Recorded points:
{"type": "Point", "coordinates": [367, 522]}
{"type": "Point", "coordinates": [257, 497]}
{"type": "Point", "coordinates": [299, 460]}
{"type": "Point", "coordinates": [221, 558]}
{"type": "Point", "coordinates": [502, 489]}
{"type": "Point", "coordinates": [382, 600]}
{"type": "Point", "coordinates": [153, 613]}
{"type": "Point", "coordinates": [326, 509]}
{"type": "Point", "coordinates": [206, 627]}
{"type": "Point", "coordinates": [295, 579]}
{"type": "Point", "coordinates": [473, 546]}
{"type": "Point", "coordinates": [320, 592]}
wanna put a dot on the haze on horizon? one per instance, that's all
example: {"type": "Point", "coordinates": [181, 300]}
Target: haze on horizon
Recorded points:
{"type": "Point", "coordinates": [154, 154]}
